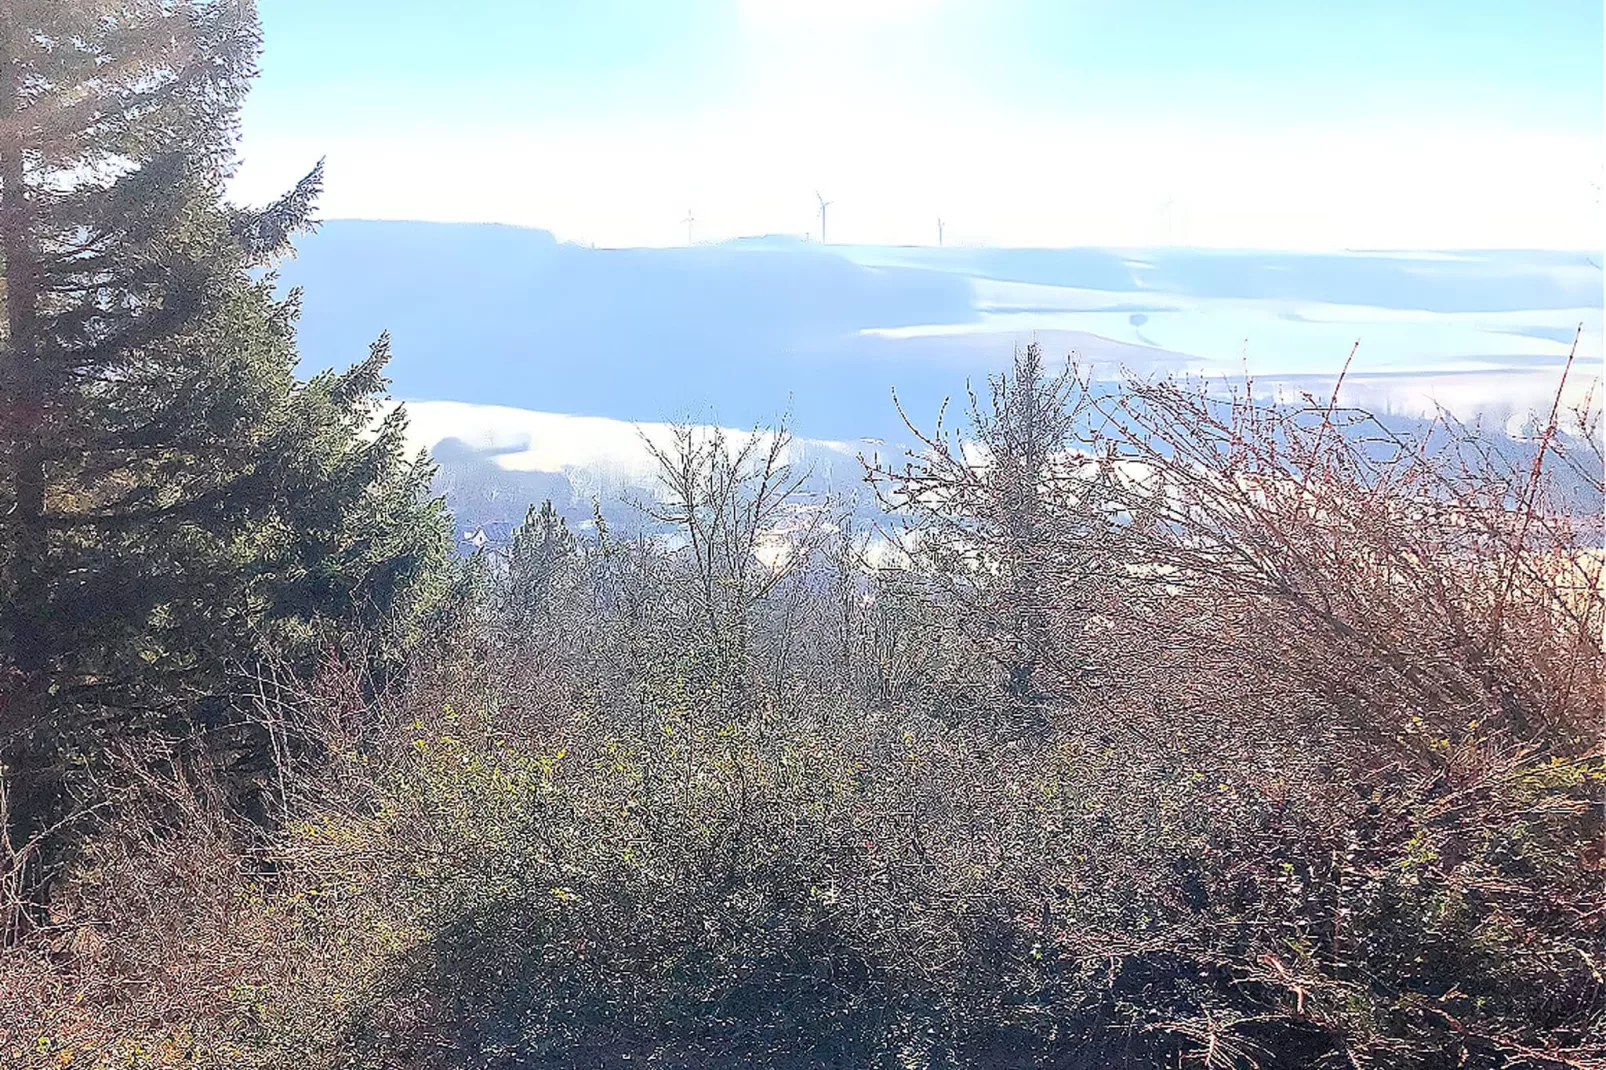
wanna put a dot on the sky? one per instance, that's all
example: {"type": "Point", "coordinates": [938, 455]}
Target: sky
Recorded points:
{"type": "Point", "coordinates": [1265, 124]}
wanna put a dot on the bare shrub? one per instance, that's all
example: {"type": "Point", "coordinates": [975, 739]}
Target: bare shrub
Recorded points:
{"type": "Point", "coordinates": [1314, 779]}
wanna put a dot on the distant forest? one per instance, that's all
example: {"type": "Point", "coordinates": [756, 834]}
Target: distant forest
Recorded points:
{"type": "Point", "coordinates": [1149, 725]}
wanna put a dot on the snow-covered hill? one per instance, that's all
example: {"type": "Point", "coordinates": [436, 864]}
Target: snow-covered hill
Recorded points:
{"type": "Point", "coordinates": [742, 330]}
{"type": "Point", "coordinates": [529, 363]}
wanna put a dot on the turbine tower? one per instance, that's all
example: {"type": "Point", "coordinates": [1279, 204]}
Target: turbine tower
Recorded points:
{"type": "Point", "coordinates": [939, 232]}
{"type": "Point", "coordinates": [689, 220]}
{"type": "Point", "coordinates": [824, 204]}
{"type": "Point", "coordinates": [1169, 209]}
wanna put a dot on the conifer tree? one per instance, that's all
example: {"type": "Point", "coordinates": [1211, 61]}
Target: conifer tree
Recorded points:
{"type": "Point", "coordinates": [538, 550]}
{"type": "Point", "coordinates": [173, 497]}
{"type": "Point", "coordinates": [1011, 519]}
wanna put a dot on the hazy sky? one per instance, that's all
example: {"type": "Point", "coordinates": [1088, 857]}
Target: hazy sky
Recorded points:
{"type": "Point", "coordinates": [1299, 124]}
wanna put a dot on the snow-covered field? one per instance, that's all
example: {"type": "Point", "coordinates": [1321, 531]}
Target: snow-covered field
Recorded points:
{"type": "Point", "coordinates": [1481, 334]}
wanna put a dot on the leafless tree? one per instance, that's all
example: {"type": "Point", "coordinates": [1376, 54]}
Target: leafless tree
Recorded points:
{"type": "Point", "coordinates": [734, 501]}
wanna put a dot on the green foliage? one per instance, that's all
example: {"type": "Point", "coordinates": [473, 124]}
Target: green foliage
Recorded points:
{"type": "Point", "coordinates": [178, 504]}
{"type": "Point", "coordinates": [1312, 774]}
{"type": "Point", "coordinates": [536, 557]}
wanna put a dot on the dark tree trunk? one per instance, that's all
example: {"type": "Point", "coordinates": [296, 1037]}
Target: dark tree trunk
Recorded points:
{"type": "Point", "coordinates": [22, 382]}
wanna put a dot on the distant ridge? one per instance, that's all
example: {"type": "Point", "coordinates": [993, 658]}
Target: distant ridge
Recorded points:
{"type": "Point", "coordinates": [738, 330]}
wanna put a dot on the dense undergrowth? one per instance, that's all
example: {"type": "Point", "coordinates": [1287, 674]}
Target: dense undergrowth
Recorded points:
{"type": "Point", "coordinates": [1160, 727]}
{"type": "Point", "coordinates": [1167, 731]}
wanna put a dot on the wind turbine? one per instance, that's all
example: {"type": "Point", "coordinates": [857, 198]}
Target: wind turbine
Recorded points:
{"type": "Point", "coordinates": [939, 232]}
{"type": "Point", "coordinates": [824, 204]}
{"type": "Point", "coordinates": [689, 220]}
